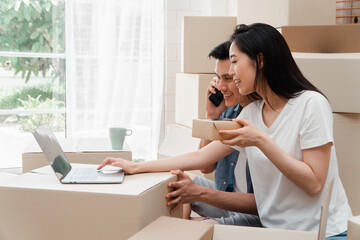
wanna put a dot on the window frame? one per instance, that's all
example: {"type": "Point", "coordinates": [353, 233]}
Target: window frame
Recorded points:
{"type": "Point", "coordinates": [63, 56]}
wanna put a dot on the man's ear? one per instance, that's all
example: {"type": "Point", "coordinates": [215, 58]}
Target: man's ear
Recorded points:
{"type": "Point", "coordinates": [260, 60]}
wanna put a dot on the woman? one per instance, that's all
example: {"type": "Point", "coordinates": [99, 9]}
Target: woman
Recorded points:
{"type": "Point", "coordinates": [287, 136]}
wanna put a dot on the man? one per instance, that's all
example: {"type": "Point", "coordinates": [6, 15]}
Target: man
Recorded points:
{"type": "Point", "coordinates": [230, 107]}
{"type": "Point", "coordinates": [186, 190]}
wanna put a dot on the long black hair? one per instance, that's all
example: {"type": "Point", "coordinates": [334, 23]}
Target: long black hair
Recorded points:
{"type": "Point", "coordinates": [260, 41]}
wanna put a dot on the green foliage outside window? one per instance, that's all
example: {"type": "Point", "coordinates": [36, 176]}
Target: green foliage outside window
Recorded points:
{"type": "Point", "coordinates": [33, 26]}
{"type": "Point", "coordinates": [36, 26]}
{"type": "Point", "coordinates": [29, 122]}
{"type": "Point", "coordinates": [11, 99]}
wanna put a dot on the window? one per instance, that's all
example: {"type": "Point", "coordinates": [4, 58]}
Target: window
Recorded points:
{"type": "Point", "coordinates": [347, 11]}
{"type": "Point", "coordinates": [83, 66]}
{"type": "Point", "coordinates": [32, 72]}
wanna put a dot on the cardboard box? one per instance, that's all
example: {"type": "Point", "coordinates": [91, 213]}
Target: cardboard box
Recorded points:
{"type": "Point", "coordinates": [33, 160]}
{"type": "Point", "coordinates": [35, 206]}
{"type": "Point", "coordinates": [165, 228]}
{"type": "Point", "coordinates": [336, 75]}
{"type": "Point", "coordinates": [176, 229]}
{"type": "Point", "coordinates": [286, 12]}
{"type": "Point", "coordinates": [353, 230]}
{"type": "Point", "coordinates": [200, 36]}
{"type": "Point", "coordinates": [330, 58]}
{"type": "Point", "coordinates": [209, 129]}
{"type": "Point", "coordinates": [323, 39]}
{"type": "Point", "coordinates": [170, 146]}
{"type": "Point", "coordinates": [190, 97]}
{"type": "Point", "coordinates": [174, 135]}
{"type": "Point", "coordinates": [347, 142]}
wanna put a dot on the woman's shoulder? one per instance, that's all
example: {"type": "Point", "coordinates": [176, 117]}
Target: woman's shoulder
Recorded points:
{"type": "Point", "coordinates": [311, 96]}
{"type": "Point", "coordinates": [312, 99]}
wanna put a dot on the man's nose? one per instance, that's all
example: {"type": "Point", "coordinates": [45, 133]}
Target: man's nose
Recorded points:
{"type": "Point", "coordinates": [222, 85]}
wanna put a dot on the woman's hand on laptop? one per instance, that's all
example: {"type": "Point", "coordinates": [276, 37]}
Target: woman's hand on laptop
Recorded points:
{"type": "Point", "coordinates": [126, 165]}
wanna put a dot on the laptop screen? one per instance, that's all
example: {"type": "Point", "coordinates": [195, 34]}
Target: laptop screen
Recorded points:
{"type": "Point", "coordinates": [52, 150]}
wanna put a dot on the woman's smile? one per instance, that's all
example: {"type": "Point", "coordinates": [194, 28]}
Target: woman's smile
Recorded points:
{"type": "Point", "coordinates": [237, 82]}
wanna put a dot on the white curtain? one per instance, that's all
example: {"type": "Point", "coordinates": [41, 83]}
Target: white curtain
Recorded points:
{"type": "Point", "coordinates": [116, 59]}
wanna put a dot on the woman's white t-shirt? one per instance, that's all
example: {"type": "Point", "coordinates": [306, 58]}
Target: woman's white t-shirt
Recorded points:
{"type": "Point", "coordinates": [305, 122]}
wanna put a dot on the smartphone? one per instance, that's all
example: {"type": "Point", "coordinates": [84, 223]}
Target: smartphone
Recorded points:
{"type": "Point", "coordinates": [216, 98]}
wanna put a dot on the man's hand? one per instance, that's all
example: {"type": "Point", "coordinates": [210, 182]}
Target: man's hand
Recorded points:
{"type": "Point", "coordinates": [211, 110]}
{"type": "Point", "coordinates": [185, 191]}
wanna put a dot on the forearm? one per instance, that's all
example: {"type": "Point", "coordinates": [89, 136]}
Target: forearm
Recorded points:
{"type": "Point", "coordinates": [188, 161]}
{"type": "Point", "coordinates": [299, 172]}
{"type": "Point", "coordinates": [184, 162]}
{"type": "Point", "coordinates": [212, 167]}
{"type": "Point", "coordinates": [232, 201]}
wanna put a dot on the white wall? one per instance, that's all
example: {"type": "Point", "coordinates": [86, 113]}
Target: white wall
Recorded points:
{"type": "Point", "coordinates": [175, 11]}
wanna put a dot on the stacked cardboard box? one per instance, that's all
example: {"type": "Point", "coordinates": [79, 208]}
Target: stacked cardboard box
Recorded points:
{"type": "Point", "coordinates": [329, 56]}
{"type": "Point", "coordinates": [200, 36]}
{"type": "Point", "coordinates": [178, 140]}
{"type": "Point", "coordinates": [347, 142]}
{"type": "Point", "coordinates": [190, 97]}
{"type": "Point", "coordinates": [286, 12]}
{"type": "Point", "coordinates": [353, 228]}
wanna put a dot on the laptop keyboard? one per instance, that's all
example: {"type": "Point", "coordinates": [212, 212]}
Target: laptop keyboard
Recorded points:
{"type": "Point", "coordinates": [83, 174]}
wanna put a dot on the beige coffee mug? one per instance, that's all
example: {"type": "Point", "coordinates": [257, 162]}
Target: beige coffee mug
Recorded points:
{"type": "Point", "coordinates": [117, 137]}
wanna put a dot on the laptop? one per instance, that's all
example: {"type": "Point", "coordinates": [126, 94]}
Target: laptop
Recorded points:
{"type": "Point", "coordinates": [63, 169]}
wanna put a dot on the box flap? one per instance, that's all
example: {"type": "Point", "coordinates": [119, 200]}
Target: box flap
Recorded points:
{"type": "Point", "coordinates": [165, 228]}
{"type": "Point", "coordinates": [325, 210]}
{"type": "Point", "coordinates": [226, 125]}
